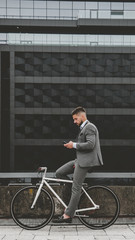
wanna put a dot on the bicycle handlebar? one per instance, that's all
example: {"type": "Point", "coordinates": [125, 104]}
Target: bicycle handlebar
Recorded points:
{"type": "Point", "coordinates": [42, 169]}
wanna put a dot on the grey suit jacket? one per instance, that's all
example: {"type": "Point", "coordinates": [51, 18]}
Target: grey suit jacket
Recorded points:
{"type": "Point", "coordinates": [88, 147]}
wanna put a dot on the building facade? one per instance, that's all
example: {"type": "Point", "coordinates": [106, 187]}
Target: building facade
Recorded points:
{"type": "Point", "coordinates": [55, 56]}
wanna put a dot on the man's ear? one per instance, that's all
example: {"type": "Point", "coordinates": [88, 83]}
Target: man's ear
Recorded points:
{"type": "Point", "coordinates": [83, 116]}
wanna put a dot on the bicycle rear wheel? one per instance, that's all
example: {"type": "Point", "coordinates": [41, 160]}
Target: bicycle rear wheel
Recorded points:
{"type": "Point", "coordinates": [108, 211]}
{"type": "Point", "coordinates": [26, 217]}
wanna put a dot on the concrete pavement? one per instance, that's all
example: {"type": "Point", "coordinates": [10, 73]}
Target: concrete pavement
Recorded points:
{"type": "Point", "coordinates": [68, 232]}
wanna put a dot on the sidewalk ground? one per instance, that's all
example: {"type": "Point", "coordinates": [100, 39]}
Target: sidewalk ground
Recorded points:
{"type": "Point", "coordinates": [68, 232]}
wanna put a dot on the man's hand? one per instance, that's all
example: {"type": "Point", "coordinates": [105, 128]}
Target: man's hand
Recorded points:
{"type": "Point", "coordinates": [69, 145]}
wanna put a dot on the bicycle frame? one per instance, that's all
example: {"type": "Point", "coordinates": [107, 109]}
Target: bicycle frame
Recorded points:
{"type": "Point", "coordinates": [45, 182]}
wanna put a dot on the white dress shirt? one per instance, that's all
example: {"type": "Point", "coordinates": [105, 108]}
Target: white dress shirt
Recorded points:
{"type": "Point", "coordinates": [82, 125]}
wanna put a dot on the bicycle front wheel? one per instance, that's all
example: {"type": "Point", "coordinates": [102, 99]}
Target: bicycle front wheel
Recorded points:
{"type": "Point", "coordinates": [37, 217]}
{"type": "Point", "coordinates": [108, 211]}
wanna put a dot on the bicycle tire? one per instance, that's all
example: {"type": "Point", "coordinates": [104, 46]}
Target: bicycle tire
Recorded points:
{"type": "Point", "coordinates": [28, 218]}
{"type": "Point", "coordinates": [109, 207]}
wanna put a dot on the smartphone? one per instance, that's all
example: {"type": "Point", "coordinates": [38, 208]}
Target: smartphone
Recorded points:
{"type": "Point", "coordinates": [64, 142]}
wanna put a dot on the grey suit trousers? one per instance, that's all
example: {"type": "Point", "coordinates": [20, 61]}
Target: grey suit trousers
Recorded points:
{"type": "Point", "coordinates": [79, 174]}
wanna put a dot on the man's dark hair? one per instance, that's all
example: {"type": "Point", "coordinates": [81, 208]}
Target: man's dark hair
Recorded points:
{"type": "Point", "coordinates": [78, 110]}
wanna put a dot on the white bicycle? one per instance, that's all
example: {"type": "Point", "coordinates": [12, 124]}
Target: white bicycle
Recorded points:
{"type": "Point", "coordinates": [32, 207]}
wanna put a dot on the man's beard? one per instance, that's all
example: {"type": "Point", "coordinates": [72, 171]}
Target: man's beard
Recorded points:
{"type": "Point", "coordinates": [81, 123]}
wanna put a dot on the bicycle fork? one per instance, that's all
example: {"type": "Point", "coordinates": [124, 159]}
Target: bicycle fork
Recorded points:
{"type": "Point", "coordinates": [39, 189]}
{"type": "Point", "coordinates": [37, 195]}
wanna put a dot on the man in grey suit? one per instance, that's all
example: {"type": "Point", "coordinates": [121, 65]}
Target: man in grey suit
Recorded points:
{"type": "Point", "coordinates": [88, 155]}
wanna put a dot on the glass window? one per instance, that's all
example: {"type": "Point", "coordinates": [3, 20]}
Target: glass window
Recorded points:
{"type": "Point", "coordinates": [26, 4]}
{"type": "Point", "coordinates": [104, 14]}
{"type": "Point", "coordinates": [133, 39]}
{"type": "Point", "coordinates": [85, 13]}
{"type": "Point", "coordinates": [66, 13]}
{"type": "Point", "coordinates": [94, 40]}
{"type": "Point", "coordinates": [117, 6]}
{"type": "Point", "coordinates": [39, 4]}
{"type": "Point", "coordinates": [3, 3]}
{"type": "Point", "coordinates": [26, 38]}
{"type": "Point", "coordinates": [82, 14]}
{"type": "Point", "coordinates": [3, 36]}
{"type": "Point", "coordinates": [44, 38]}
{"type": "Point", "coordinates": [23, 37]}
{"type": "Point", "coordinates": [2, 12]}
{"type": "Point", "coordinates": [52, 38]}
{"type": "Point", "coordinates": [104, 5]}
{"type": "Point", "coordinates": [78, 5]}
{"type": "Point", "coordinates": [91, 5]}
{"type": "Point", "coordinates": [75, 13]}
{"type": "Point", "coordinates": [53, 13]}
{"type": "Point", "coordinates": [27, 12]}
{"type": "Point", "coordinates": [104, 39]}
{"type": "Point", "coordinates": [53, 4]}
{"type": "Point", "coordinates": [65, 5]}
{"type": "Point", "coordinates": [78, 38]}
{"type": "Point", "coordinates": [13, 38]}
{"type": "Point", "coordinates": [93, 14]}
{"type": "Point", "coordinates": [56, 37]}
{"type": "Point", "coordinates": [66, 37]}
{"type": "Point", "coordinates": [117, 39]}
{"type": "Point", "coordinates": [129, 6]}
{"type": "Point", "coordinates": [127, 39]}
{"type": "Point", "coordinates": [129, 14]}
{"type": "Point", "coordinates": [91, 38]}
{"type": "Point", "coordinates": [38, 38]}
{"type": "Point", "coordinates": [13, 12]}
{"type": "Point", "coordinates": [13, 3]}
{"type": "Point", "coordinates": [40, 13]}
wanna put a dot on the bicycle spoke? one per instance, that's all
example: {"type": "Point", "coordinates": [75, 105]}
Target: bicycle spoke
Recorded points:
{"type": "Point", "coordinates": [34, 218]}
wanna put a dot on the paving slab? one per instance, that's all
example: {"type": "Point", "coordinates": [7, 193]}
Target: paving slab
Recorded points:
{"type": "Point", "coordinates": [79, 238]}
{"type": "Point", "coordinates": [125, 230]}
{"type": "Point", "coordinates": [101, 237]}
{"type": "Point", "coordinates": [117, 238]}
{"type": "Point", "coordinates": [68, 232]}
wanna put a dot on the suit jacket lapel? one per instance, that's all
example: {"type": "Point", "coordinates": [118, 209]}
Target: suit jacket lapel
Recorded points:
{"type": "Point", "coordinates": [84, 126]}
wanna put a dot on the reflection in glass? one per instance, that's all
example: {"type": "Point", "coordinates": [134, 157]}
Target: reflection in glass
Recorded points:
{"type": "Point", "coordinates": [13, 11]}
{"type": "Point", "coordinates": [68, 39]}
{"type": "Point", "coordinates": [66, 13]}
{"type": "Point", "coordinates": [53, 4]}
{"type": "Point", "coordinates": [3, 3]}
{"type": "Point", "coordinates": [71, 9]}
{"type": "Point", "coordinates": [65, 5]}
{"type": "Point", "coordinates": [117, 6]}
{"type": "Point", "coordinates": [104, 5]}
{"type": "Point", "coordinates": [78, 5]}
{"type": "Point", "coordinates": [39, 4]}
{"type": "Point", "coordinates": [52, 13]}
{"type": "Point", "coordinates": [40, 13]}
{"type": "Point", "coordinates": [2, 12]}
{"type": "Point", "coordinates": [26, 12]}
{"type": "Point", "coordinates": [27, 4]}
{"type": "Point", "coordinates": [91, 5]}
{"type": "Point", "coordinates": [12, 3]}
{"type": "Point", "coordinates": [129, 6]}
